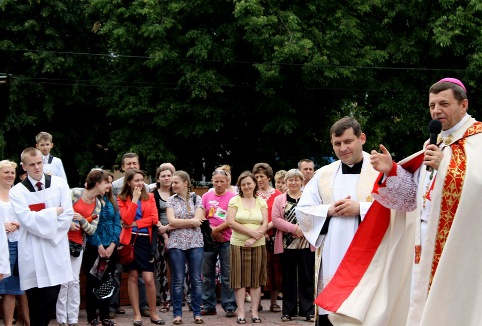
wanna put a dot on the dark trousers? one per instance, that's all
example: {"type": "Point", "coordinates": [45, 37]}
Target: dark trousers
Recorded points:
{"type": "Point", "coordinates": [41, 300]}
{"type": "Point", "coordinates": [323, 321]}
{"type": "Point", "coordinates": [92, 282]}
{"type": "Point", "coordinates": [298, 281]}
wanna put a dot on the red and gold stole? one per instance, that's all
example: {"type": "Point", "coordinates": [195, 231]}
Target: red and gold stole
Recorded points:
{"type": "Point", "coordinates": [452, 189]}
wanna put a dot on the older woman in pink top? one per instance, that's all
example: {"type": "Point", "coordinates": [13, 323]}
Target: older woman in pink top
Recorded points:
{"type": "Point", "coordinates": [297, 256]}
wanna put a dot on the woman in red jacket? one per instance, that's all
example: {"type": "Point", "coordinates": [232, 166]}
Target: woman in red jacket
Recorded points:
{"type": "Point", "coordinates": [138, 214]}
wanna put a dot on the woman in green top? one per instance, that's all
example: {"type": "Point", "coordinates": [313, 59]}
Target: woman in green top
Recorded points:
{"type": "Point", "coordinates": [248, 217]}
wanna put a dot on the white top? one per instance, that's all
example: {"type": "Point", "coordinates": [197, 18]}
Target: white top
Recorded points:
{"type": "Point", "coordinates": [54, 168]}
{"type": "Point", "coordinates": [4, 254]}
{"type": "Point", "coordinates": [341, 229]}
{"type": "Point", "coordinates": [43, 247]}
{"type": "Point", "coordinates": [7, 215]}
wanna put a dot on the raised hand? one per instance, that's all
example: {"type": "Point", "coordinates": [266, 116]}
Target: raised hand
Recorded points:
{"type": "Point", "coordinates": [381, 162]}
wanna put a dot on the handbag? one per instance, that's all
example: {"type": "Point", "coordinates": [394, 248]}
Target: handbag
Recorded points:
{"type": "Point", "coordinates": [126, 253]}
{"type": "Point", "coordinates": [75, 248]}
{"type": "Point", "coordinates": [106, 289]}
{"type": "Point", "coordinates": [206, 231]}
{"type": "Point", "coordinates": [207, 236]}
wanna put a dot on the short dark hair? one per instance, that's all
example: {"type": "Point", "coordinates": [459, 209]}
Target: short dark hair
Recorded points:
{"type": "Point", "coordinates": [264, 168]}
{"type": "Point", "coordinates": [128, 155]}
{"type": "Point", "coordinates": [305, 160]}
{"type": "Point", "coordinates": [344, 124]}
{"type": "Point", "coordinates": [459, 93]}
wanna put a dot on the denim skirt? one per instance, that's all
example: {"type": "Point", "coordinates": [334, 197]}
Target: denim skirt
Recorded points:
{"type": "Point", "coordinates": [11, 284]}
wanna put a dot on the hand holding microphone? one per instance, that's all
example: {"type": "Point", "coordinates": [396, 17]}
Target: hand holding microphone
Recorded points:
{"type": "Point", "coordinates": [433, 154]}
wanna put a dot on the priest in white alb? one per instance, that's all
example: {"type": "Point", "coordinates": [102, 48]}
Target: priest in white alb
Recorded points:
{"type": "Point", "coordinates": [335, 201]}
{"type": "Point", "coordinates": [431, 236]}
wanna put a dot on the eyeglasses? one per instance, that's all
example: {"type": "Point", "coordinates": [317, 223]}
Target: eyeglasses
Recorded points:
{"type": "Point", "coordinates": [220, 172]}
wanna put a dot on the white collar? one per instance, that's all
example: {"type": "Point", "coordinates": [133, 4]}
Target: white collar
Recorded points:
{"type": "Point", "coordinates": [33, 181]}
{"type": "Point", "coordinates": [447, 132]}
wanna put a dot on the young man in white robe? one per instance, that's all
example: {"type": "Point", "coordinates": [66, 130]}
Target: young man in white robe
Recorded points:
{"type": "Point", "coordinates": [425, 267]}
{"type": "Point", "coordinates": [335, 202]}
{"type": "Point", "coordinates": [43, 207]}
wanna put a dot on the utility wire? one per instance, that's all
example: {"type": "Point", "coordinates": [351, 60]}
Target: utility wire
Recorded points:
{"type": "Point", "coordinates": [114, 56]}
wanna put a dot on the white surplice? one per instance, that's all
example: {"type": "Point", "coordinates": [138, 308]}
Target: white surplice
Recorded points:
{"type": "Point", "coordinates": [327, 186]}
{"type": "Point", "coordinates": [43, 247]}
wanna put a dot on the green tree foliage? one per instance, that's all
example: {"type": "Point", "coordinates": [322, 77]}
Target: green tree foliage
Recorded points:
{"type": "Point", "coordinates": [236, 81]}
{"type": "Point", "coordinates": [46, 46]}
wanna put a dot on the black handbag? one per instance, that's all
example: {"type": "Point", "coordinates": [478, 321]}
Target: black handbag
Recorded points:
{"type": "Point", "coordinates": [106, 289]}
{"type": "Point", "coordinates": [207, 232]}
{"type": "Point", "coordinates": [100, 271]}
{"type": "Point", "coordinates": [207, 236]}
{"type": "Point", "coordinates": [75, 248]}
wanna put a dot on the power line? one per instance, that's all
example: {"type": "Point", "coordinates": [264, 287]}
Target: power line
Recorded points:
{"type": "Point", "coordinates": [126, 56]}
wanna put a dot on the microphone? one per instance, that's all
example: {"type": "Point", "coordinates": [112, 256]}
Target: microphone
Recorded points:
{"type": "Point", "coordinates": [434, 128]}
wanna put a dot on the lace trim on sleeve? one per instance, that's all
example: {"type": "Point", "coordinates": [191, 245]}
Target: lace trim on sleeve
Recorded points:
{"type": "Point", "coordinates": [399, 191]}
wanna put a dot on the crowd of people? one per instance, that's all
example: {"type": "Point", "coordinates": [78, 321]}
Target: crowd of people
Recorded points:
{"type": "Point", "coordinates": [182, 244]}
{"type": "Point", "coordinates": [361, 241]}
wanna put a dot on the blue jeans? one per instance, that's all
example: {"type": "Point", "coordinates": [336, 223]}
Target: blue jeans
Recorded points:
{"type": "Point", "coordinates": [228, 301]}
{"type": "Point", "coordinates": [194, 259]}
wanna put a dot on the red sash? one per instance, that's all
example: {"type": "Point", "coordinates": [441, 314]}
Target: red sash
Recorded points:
{"type": "Point", "coordinates": [452, 190]}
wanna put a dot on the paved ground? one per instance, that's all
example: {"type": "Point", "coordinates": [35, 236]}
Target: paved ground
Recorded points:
{"type": "Point", "coordinates": [267, 317]}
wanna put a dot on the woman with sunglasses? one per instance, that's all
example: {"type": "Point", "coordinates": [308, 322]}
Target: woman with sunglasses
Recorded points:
{"type": "Point", "coordinates": [215, 206]}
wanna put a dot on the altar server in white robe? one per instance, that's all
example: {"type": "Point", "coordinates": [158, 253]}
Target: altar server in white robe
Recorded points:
{"type": "Point", "coordinates": [335, 201]}
{"type": "Point", "coordinates": [4, 256]}
{"type": "Point", "coordinates": [52, 165]}
{"type": "Point", "coordinates": [43, 207]}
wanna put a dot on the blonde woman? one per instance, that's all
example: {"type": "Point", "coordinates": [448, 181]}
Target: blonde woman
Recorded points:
{"type": "Point", "coordinates": [279, 181]}
{"type": "Point", "coordinates": [185, 214]}
{"type": "Point", "coordinates": [10, 287]}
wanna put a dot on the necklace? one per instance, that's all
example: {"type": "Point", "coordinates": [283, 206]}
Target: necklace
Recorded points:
{"type": "Point", "coordinates": [266, 195]}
